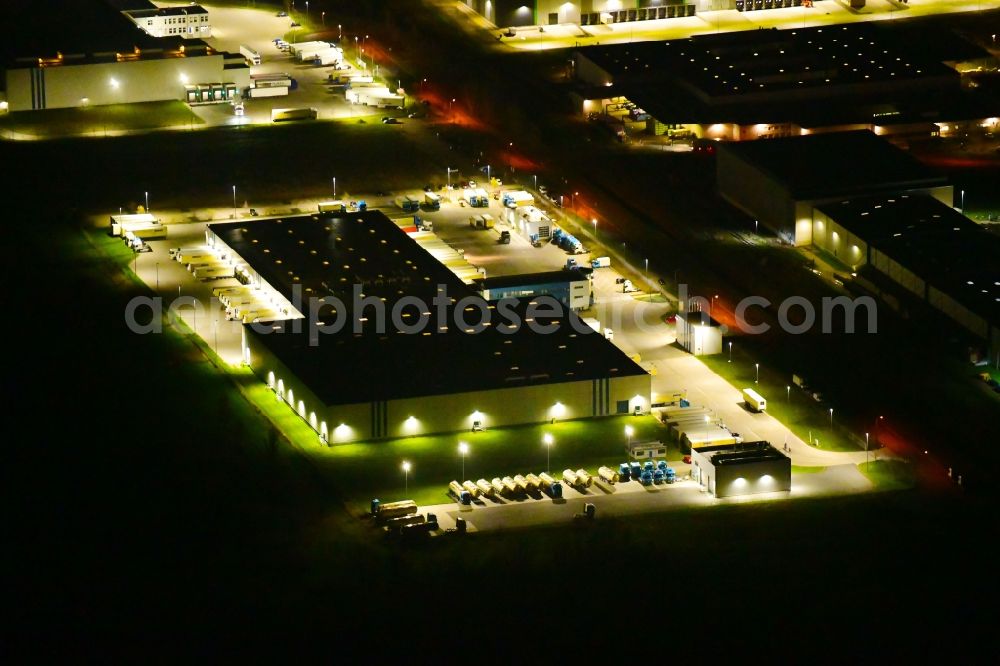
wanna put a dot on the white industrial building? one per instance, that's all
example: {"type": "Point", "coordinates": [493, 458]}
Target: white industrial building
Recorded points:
{"type": "Point", "coordinates": [52, 63]}
{"type": "Point", "coordinates": [190, 22]}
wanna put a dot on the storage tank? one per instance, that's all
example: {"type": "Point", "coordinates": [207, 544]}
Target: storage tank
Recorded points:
{"type": "Point", "coordinates": [534, 483]}
{"type": "Point", "coordinates": [497, 484]}
{"type": "Point", "coordinates": [509, 485]}
{"type": "Point", "coordinates": [583, 476]}
{"type": "Point", "coordinates": [546, 480]}
{"type": "Point", "coordinates": [410, 519]}
{"type": "Point", "coordinates": [456, 488]}
{"type": "Point", "coordinates": [471, 487]}
{"type": "Point", "coordinates": [608, 474]}
{"type": "Point", "coordinates": [521, 483]}
{"type": "Point", "coordinates": [569, 476]}
{"type": "Point", "coordinates": [485, 488]}
{"type": "Point", "coordinates": [393, 509]}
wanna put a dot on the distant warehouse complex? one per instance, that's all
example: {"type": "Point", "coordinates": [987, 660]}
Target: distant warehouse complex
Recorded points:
{"type": "Point", "coordinates": [870, 204]}
{"type": "Point", "coordinates": [90, 53]}
{"type": "Point", "coordinates": [771, 83]}
{"type": "Point", "coordinates": [458, 362]}
{"type": "Point", "coordinates": [514, 13]}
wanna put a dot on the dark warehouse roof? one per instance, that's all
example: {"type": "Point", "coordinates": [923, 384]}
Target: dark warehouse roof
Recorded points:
{"type": "Point", "coordinates": [328, 253]}
{"type": "Point", "coordinates": [832, 164]}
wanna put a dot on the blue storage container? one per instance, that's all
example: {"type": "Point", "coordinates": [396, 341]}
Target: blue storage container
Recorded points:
{"type": "Point", "coordinates": [556, 490]}
{"type": "Point", "coordinates": [658, 476]}
{"type": "Point", "coordinates": [465, 497]}
{"type": "Point", "coordinates": [646, 478]}
{"type": "Point", "coordinates": [375, 504]}
{"type": "Point", "coordinates": [624, 469]}
{"type": "Point", "coordinates": [648, 466]}
{"type": "Point", "coordinates": [671, 474]}
{"type": "Point", "coordinates": [661, 464]}
{"type": "Point", "coordinates": [685, 403]}
{"type": "Point", "coordinates": [636, 470]}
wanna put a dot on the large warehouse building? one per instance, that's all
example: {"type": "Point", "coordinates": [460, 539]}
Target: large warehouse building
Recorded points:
{"type": "Point", "coordinates": [450, 372]}
{"type": "Point", "coordinates": [924, 246]}
{"type": "Point", "coordinates": [89, 53]}
{"type": "Point", "coordinates": [780, 182]}
{"type": "Point", "coordinates": [767, 83]}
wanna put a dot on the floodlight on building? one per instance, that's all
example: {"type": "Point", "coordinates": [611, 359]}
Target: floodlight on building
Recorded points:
{"type": "Point", "coordinates": [114, 83]}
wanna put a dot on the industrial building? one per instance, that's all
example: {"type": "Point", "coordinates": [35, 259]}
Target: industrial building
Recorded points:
{"type": "Point", "coordinates": [573, 288]}
{"type": "Point", "coordinates": [89, 53]}
{"type": "Point", "coordinates": [457, 365]}
{"type": "Point", "coordinates": [924, 246]}
{"type": "Point", "coordinates": [770, 83]}
{"type": "Point", "coordinates": [698, 333]}
{"type": "Point", "coordinates": [780, 182]}
{"type": "Point", "coordinates": [515, 13]}
{"type": "Point", "coordinates": [746, 468]}
{"type": "Point", "coordinates": [190, 22]}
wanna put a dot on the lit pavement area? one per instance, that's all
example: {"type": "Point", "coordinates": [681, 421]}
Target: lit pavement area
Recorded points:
{"type": "Point", "coordinates": [638, 323]}
{"type": "Point", "coordinates": [823, 12]}
{"type": "Point", "coordinates": [624, 499]}
{"type": "Point", "coordinates": [234, 26]}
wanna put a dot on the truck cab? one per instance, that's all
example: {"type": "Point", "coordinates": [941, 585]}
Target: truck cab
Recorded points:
{"type": "Point", "coordinates": [504, 238]}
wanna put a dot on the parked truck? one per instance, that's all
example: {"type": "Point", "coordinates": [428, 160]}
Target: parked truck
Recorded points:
{"type": "Point", "coordinates": [280, 115]}
{"type": "Point", "coordinates": [754, 401]}
{"type": "Point", "coordinates": [408, 203]}
{"type": "Point", "coordinates": [269, 91]}
{"type": "Point", "coordinates": [432, 201]}
{"type": "Point", "coordinates": [252, 57]}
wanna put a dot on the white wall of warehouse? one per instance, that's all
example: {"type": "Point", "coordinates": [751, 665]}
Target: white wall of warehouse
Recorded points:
{"type": "Point", "coordinates": [95, 83]}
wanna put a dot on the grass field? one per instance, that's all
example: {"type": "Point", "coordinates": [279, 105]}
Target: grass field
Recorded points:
{"type": "Point", "coordinates": [889, 474]}
{"type": "Point", "coordinates": [99, 120]}
{"type": "Point", "coordinates": [809, 420]}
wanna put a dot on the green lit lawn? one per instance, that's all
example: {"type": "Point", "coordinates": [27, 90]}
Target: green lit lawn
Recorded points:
{"type": "Point", "coordinates": [801, 414]}
{"type": "Point", "coordinates": [888, 474]}
{"type": "Point", "coordinates": [361, 471]}
{"type": "Point", "coordinates": [100, 120]}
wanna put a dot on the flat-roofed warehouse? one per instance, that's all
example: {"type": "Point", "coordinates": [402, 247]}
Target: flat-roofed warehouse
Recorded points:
{"type": "Point", "coordinates": [418, 372]}
{"type": "Point", "coordinates": [781, 181]}
{"type": "Point", "coordinates": [766, 83]}
{"type": "Point", "coordinates": [747, 468]}
{"type": "Point", "coordinates": [88, 53]}
{"type": "Point", "coordinates": [926, 247]}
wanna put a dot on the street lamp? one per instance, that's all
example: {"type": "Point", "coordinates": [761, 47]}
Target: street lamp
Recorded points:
{"type": "Point", "coordinates": [547, 440]}
{"type": "Point", "coordinates": [234, 202]}
{"type": "Point", "coordinates": [406, 477]}
{"type": "Point", "coordinates": [340, 32]}
{"type": "Point", "coordinates": [334, 187]}
{"type": "Point", "coordinates": [711, 305]}
{"type": "Point", "coordinates": [831, 417]}
{"type": "Point", "coordinates": [629, 431]}
{"type": "Point", "coordinates": [322, 16]}
{"type": "Point", "coordinates": [788, 393]}
{"type": "Point", "coordinates": [730, 351]}
{"type": "Point", "coordinates": [647, 279]}
{"type": "Point", "coordinates": [866, 450]}
{"type": "Point", "coordinates": [357, 49]}
{"type": "Point", "coordinates": [147, 202]}
{"type": "Point", "coordinates": [755, 225]}
{"type": "Point", "coordinates": [463, 448]}
{"type": "Point", "coordinates": [450, 170]}
{"type": "Point", "coordinates": [963, 200]}
{"type": "Point", "coordinates": [595, 228]}
{"type": "Point", "coordinates": [756, 379]}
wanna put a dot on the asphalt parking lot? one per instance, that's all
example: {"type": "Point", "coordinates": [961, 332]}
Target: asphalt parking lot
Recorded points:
{"type": "Point", "coordinates": [257, 28]}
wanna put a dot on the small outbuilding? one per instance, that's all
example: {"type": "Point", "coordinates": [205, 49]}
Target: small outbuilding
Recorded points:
{"type": "Point", "coordinates": [746, 468]}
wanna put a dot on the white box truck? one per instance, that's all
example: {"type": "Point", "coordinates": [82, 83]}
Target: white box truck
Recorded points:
{"type": "Point", "coordinates": [252, 57]}
{"type": "Point", "coordinates": [753, 400]}
{"type": "Point", "coordinates": [271, 91]}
